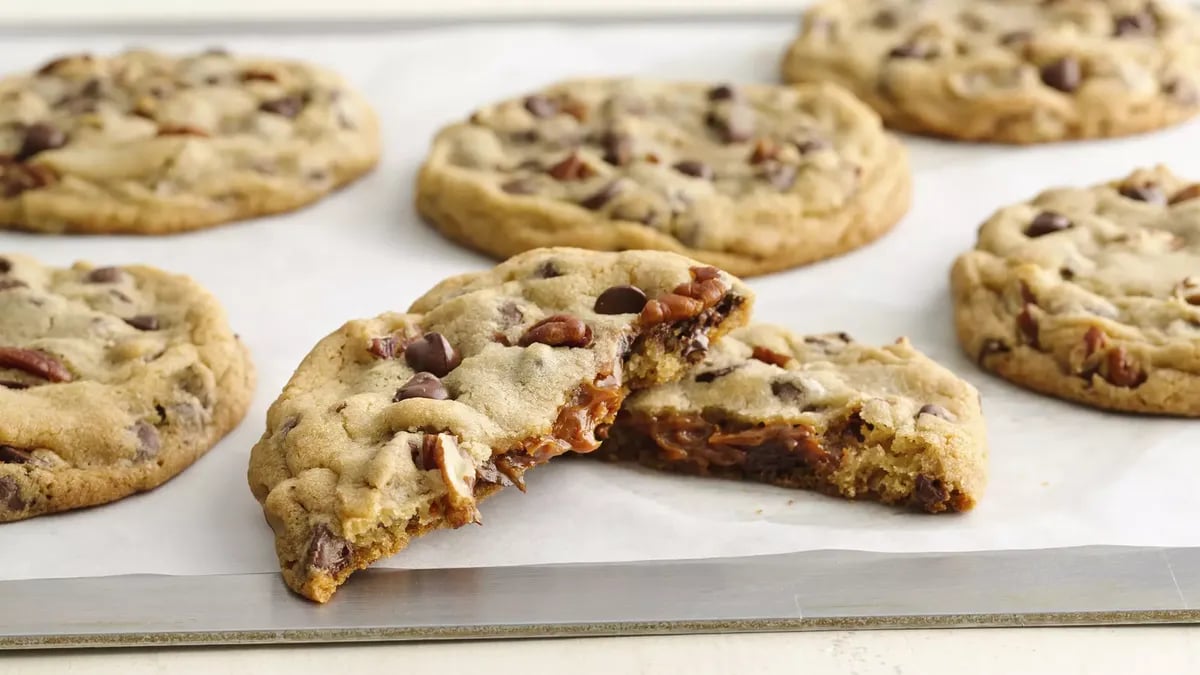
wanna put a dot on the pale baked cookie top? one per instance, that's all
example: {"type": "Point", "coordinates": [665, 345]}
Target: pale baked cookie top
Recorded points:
{"type": "Point", "coordinates": [819, 412]}
{"type": "Point", "coordinates": [756, 173]}
{"type": "Point", "coordinates": [145, 142]}
{"type": "Point", "coordinates": [112, 379]}
{"type": "Point", "coordinates": [1008, 70]}
{"type": "Point", "coordinates": [396, 425]}
{"type": "Point", "coordinates": [1092, 293]}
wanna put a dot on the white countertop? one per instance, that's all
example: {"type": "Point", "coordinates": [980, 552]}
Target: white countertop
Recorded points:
{"type": "Point", "coordinates": [927, 652]}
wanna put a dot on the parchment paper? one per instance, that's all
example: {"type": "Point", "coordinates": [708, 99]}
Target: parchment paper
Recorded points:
{"type": "Point", "coordinates": [1060, 474]}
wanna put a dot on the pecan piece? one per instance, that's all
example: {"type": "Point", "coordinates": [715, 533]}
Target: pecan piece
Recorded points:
{"type": "Point", "coordinates": [559, 330]}
{"type": "Point", "coordinates": [572, 167]}
{"type": "Point", "coordinates": [1123, 370]}
{"type": "Point", "coordinates": [770, 356]}
{"type": "Point", "coordinates": [35, 363]}
{"type": "Point", "coordinates": [1094, 340]}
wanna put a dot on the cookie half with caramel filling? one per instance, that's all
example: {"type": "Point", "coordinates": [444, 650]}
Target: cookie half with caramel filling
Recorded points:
{"type": "Point", "coordinates": [399, 425]}
{"type": "Point", "coordinates": [816, 412]}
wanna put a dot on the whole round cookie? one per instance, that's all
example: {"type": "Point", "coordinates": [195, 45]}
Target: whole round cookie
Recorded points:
{"type": "Point", "coordinates": [750, 178]}
{"type": "Point", "coordinates": [1017, 71]}
{"type": "Point", "coordinates": [146, 143]}
{"type": "Point", "coordinates": [1091, 294]}
{"type": "Point", "coordinates": [112, 381]}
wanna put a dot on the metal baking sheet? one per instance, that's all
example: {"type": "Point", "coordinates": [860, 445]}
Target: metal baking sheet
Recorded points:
{"type": "Point", "coordinates": [800, 591]}
{"type": "Point", "coordinates": [818, 590]}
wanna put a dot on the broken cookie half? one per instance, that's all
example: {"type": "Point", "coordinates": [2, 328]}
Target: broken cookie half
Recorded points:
{"type": "Point", "coordinates": [816, 412]}
{"type": "Point", "coordinates": [399, 425]}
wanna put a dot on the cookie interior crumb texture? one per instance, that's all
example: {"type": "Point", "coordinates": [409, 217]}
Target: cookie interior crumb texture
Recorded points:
{"type": "Point", "coordinates": [399, 425]}
{"type": "Point", "coordinates": [816, 412]}
{"type": "Point", "coordinates": [1018, 71]}
{"type": "Point", "coordinates": [1091, 294]}
{"type": "Point", "coordinates": [750, 178]}
{"type": "Point", "coordinates": [112, 381]}
{"type": "Point", "coordinates": [149, 143]}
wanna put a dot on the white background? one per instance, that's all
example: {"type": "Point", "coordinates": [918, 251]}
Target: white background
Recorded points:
{"type": "Point", "coordinates": [941, 224]}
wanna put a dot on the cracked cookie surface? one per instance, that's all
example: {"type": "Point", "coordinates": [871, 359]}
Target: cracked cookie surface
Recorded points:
{"type": "Point", "coordinates": [112, 381]}
{"type": "Point", "coordinates": [750, 178]}
{"type": "Point", "coordinates": [817, 412]}
{"type": "Point", "coordinates": [1091, 294]}
{"type": "Point", "coordinates": [149, 143]}
{"type": "Point", "coordinates": [399, 425]}
{"type": "Point", "coordinates": [1013, 71]}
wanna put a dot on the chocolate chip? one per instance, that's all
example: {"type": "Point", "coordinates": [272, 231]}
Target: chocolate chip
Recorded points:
{"type": "Point", "coordinates": [5, 266]}
{"type": "Point", "coordinates": [143, 322]}
{"type": "Point", "coordinates": [722, 92]}
{"type": "Point", "coordinates": [1146, 192]}
{"type": "Point", "coordinates": [781, 176]}
{"type": "Point", "coordinates": [422, 385]}
{"type": "Point", "coordinates": [709, 376]}
{"type": "Point", "coordinates": [547, 270]}
{"type": "Point", "coordinates": [103, 275]}
{"type": "Point", "coordinates": [259, 75]}
{"type": "Point", "coordinates": [35, 363]}
{"type": "Point", "coordinates": [519, 186]}
{"type": "Point", "coordinates": [1142, 23]}
{"type": "Point", "coordinates": [10, 494]}
{"type": "Point", "coordinates": [559, 330]}
{"type": "Point", "coordinates": [432, 353]}
{"type": "Point", "coordinates": [787, 391]}
{"type": "Point", "coordinates": [621, 300]}
{"type": "Point", "coordinates": [618, 148]}
{"type": "Point", "coordinates": [571, 167]}
{"type": "Point", "coordinates": [930, 493]}
{"type": "Point", "coordinates": [148, 440]}
{"type": "Point", "coordinates": [694, 168]}
{"type": "Point", "coordinates": [328, 552]}
{"type": "Point", "coordinates": [1047, 222]}
{"type": "Point", "coordinates": [937, 411]}
{"type": "Point", "coordinates": [1182, 91]}
{"type": "Point", "coordinates": [604, 195]}
{"type": "Point", "coordinates": [383, 347]}
{"type": "Point", "coordinates": [11, 455]}
{"type": "Point", "coordinates": [39, 138]}
{"type": "Point", "coordinates": [288, 106]}
{"type": "Point", "coordinates": [1063, 74]}
{"type": "Point", "coordinates": [735, 126]}
{"type": "Point", "coordinates": [912, 50]}
{"type": "Point", "coordinates": [11, 384]}
{"type": "Point", "coordinates": [541, 106]}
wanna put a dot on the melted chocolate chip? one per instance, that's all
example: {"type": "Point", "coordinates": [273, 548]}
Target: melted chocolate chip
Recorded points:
{"type": "Point", "coordinates": [10, 494]}
{"type": "Point", "coordinates": [422, 385]}
{"type": "Point", "coordinates": [929, 492]}
{"type": "Point", "coordinates": [1064, 74]}
{"type": "Point", "coordinates": [39, 138]}
{"type": "Point", "coordinates": [11, 455]}
{"type": "Point", "coordinates": [937, 411]}
{"type": "Point", "coordinates": [780, 176]}
{"type": "Point", "coordinates": [541, 106]}
{"type": "Point", "coordinates": [328, 552]}
{"type": "Point", "coordinates": [9, 284]}
{"type": "Point", "coordinates": [1047, 222]}
{"type": "Point", "coordinates": [432, 353]}
{"type": "Point", "coordinates": [12, 384]}
{"type": "Point", "coordinates": [709, 376]}
{"type": "Point", "coordinates": [143, 322]}
{"type": "Point", "coordinates": [604, 195]}
{"type": "Point", "coordinates": [287, 106]}
{"type": "Point", "coordinates": [694, 168]}
{"type": "Point", "coordinates": [5, 266]}
{"type": "Point", "coordinates": [722, 92]}
{"type": "Point", "coordinates": [1146, 192]}
{"type": "Point", "coordinates": [736, 126]}
{"type": "Point", "coordinates": [148, 440]}
{"type": "Point", "coordinates": [912, 50]}
{"type": "Point", "coordinates": [103, 275]}
{"type": "Point", "coordinates": [547, 270]}
{"type": "Point", "coordinates": [620, 300]}
{"type": "Point", "coordinates": [787, 391]}
{"type": "Point", "coordinates": [1141, 23]}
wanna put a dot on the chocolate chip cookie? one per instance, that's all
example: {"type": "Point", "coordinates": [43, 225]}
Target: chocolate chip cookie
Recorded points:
{"type": "Point", "coordinates": [1091, 294]}
{"type": "Point", "coordinates": [112, 381]}
{"type": "Point", "coordinates": [399, 425]}
{"type": "Point", "coordinates": [146, 143]}
{"type": "Point", "coordinates": [816, 412]}
{"type": "Point", "coordinates": [750, 178]}
{"type": "Point", "coordinates": [1017, 71]}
